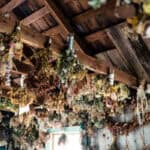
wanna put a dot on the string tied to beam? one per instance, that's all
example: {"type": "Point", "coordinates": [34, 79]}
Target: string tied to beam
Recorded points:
{"type": "Point", "coordinates": [111, 77]}
{"type": "Point", "coordinates": [71, 42]}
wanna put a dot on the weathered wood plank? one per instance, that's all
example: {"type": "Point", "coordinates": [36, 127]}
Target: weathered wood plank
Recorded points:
{"type": "Point", "coordinates": [142, 52]}
{"type": "Point", "coordinates": [35, 16]}
{"type": "Point", "coordinates": [10, 6]}
{"type": "Point", "coordinates": [104, 43]}
{"type": "Point", "coordinates": [110, 6]}
{"type": "Point", "coordinates": [32, 38]}
{"type": "Point", "coordinates": [103, 68]}
{"type": "Point", "coordinates": [53, 31]}
{"type": "Point", "coordinates": [120, 39]}
{"type": "Point", "coordinates": [22, 67]}
{"type": "Point", "coordinates": [84, 4]}
{"type": "Point", "coordinates": [6, 26]}
{"type": "Point", "coordinates": [116, 59]}
{"type": "Point", "coordinates": [112, 14]}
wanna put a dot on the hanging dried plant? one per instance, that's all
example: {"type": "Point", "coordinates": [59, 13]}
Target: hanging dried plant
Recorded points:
{"type": "Point", "coordinates": [68, 64]}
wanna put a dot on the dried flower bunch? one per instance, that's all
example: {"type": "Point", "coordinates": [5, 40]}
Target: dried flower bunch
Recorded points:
{"type": "Point", "coordinates": [6, 104]}
{"type": "Point", "coordinates": [66, 90]}
{"type": "Point", "coordinates": [68, 64]}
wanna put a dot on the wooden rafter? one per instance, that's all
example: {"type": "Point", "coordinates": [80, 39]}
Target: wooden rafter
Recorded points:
{"type": "Point", "coordinates": [10, 6]}
{"type": "Point", "coordinates": [88, 61]}
{"type": "Point", "coordinates": [6, 26]}
{"type": "Point", "coordinates": [35, 16]}
{"type": "Point", "coordinates": [102, 37]}
{"type": "Point", "coordinates": [53, 31]}
{"type": "Point", "coordinates": [32, 38]}
{"type": "Point", "coordinates": [110, 6]}
{"type": "Point", "coordinates": [22, 67]}
{"type": "Point", "coordinates": [125, 48]}
{"type": "Point", "coordinates": [113, 14]}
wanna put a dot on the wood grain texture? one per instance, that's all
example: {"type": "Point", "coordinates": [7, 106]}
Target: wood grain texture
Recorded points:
{"type": "Point", "coordinates": [32, 38]}
{"type": "Point", "coordinates": [10, 6]}
{"type": "Point", "coordinates": [52, 31]}
{"type": "Point", "coordinates": [128, 50]}
{"type": "Point", "coordinates": [6, 26]}
{"type": "Point", "coordinates": [35, 16]}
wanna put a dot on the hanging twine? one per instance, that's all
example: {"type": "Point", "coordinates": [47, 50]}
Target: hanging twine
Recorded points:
{"type": "Point", "coordinates": [111, 77]}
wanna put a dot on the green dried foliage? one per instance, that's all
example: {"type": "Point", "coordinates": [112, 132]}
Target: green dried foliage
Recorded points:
{"type": "Point", "coordinates": [68, 65]}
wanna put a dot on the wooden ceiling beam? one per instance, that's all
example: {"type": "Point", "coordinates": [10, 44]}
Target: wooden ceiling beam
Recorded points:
{"type": "Point", "coordinates": [53, 31]}
{"type": "Point", "coordinates": [10, 6]}
{"type": "Point", "coordinates": [32, 38]}
{"type": "Point", "coordinates": [102, 38]}
{"type": "Point", "coordinates": [121, 12]}
{"type": "Point", "coordinates": [90, 62]}
{"type": "Point", "coordinates": [35, 16]}
{"type": "Point", "coordinates": [23, 67]}
{"type": "Point", "coordinates": [110, 6]}
{"type": "Point", "coordinates": [122, 40]}
{"type": "Point", "coordinates": [6, 26]}
{"type": "Point", "coordinates": [27, 35]}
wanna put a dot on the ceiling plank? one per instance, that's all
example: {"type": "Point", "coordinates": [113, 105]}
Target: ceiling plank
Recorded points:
{"type": "Point", "coordinates": [35, 16]}
{"type": "Point", "coordinates": [102, 67]}
{"type": "Point", "coordinates": [90, 62]}
{"type": "Point", "coordinates": [23, 68]}
{"type": "Point", "coordinates": [6, 26]}
{"type": "Point", "coordinates": [10, 6]}
{"type": "Point", "coordinates": [84, 4]}
{"type": "Point", "coordinates": [115, 57]}
{"type": "Point", "coordinates": [121, 12]}
{"type": "Point", "coordinates": [32, 38]}
{"type": "Point", "coordinates": [110, 6]}
{"type": "Point", "coordinates": [104, 42]}
{"type": "Point", "coordinates": [123, 44]}
{"type": "Point", "coordinates": [53, 31]}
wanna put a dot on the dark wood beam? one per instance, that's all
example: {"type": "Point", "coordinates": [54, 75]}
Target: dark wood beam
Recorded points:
{"type": "Point", "coordinates": [6, 26]}
{"type": "Point", "coordinates": [110, 6]}
{"type": "Point", "coordinates": [115, 58]}
{"type": "Point", "coordinates": [100, 37]}
{"type": "Point", "coordinates": [35, 16]}
{"type": "Point", "coordinates": [23, 67]}
{"type": "Point", "coordinates": [102, 67]}
{"type": "Point", "coordinates": [123, 41]}
{"type": "Point", "coordinates": [32, 38]}
{"type": "Point", "coordinates": [84, 3]}
{"type": "Point", "coordinates": [107, 14]}
{"type": "Point", "coordinates": [53, 31]}
{"type": "Point", "coordinates": [10, 6]}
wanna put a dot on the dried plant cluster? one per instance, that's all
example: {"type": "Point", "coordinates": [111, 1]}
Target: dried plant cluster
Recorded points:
{"type": "Point", "coordinates": [61, 92]}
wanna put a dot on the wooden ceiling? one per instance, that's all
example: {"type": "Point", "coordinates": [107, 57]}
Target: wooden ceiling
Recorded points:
{"type": "Point", "coordinates": [99, 33]}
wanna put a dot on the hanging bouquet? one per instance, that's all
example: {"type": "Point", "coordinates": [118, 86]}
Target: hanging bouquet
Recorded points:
{"type": "Point", "coordinates": [68, 64]}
